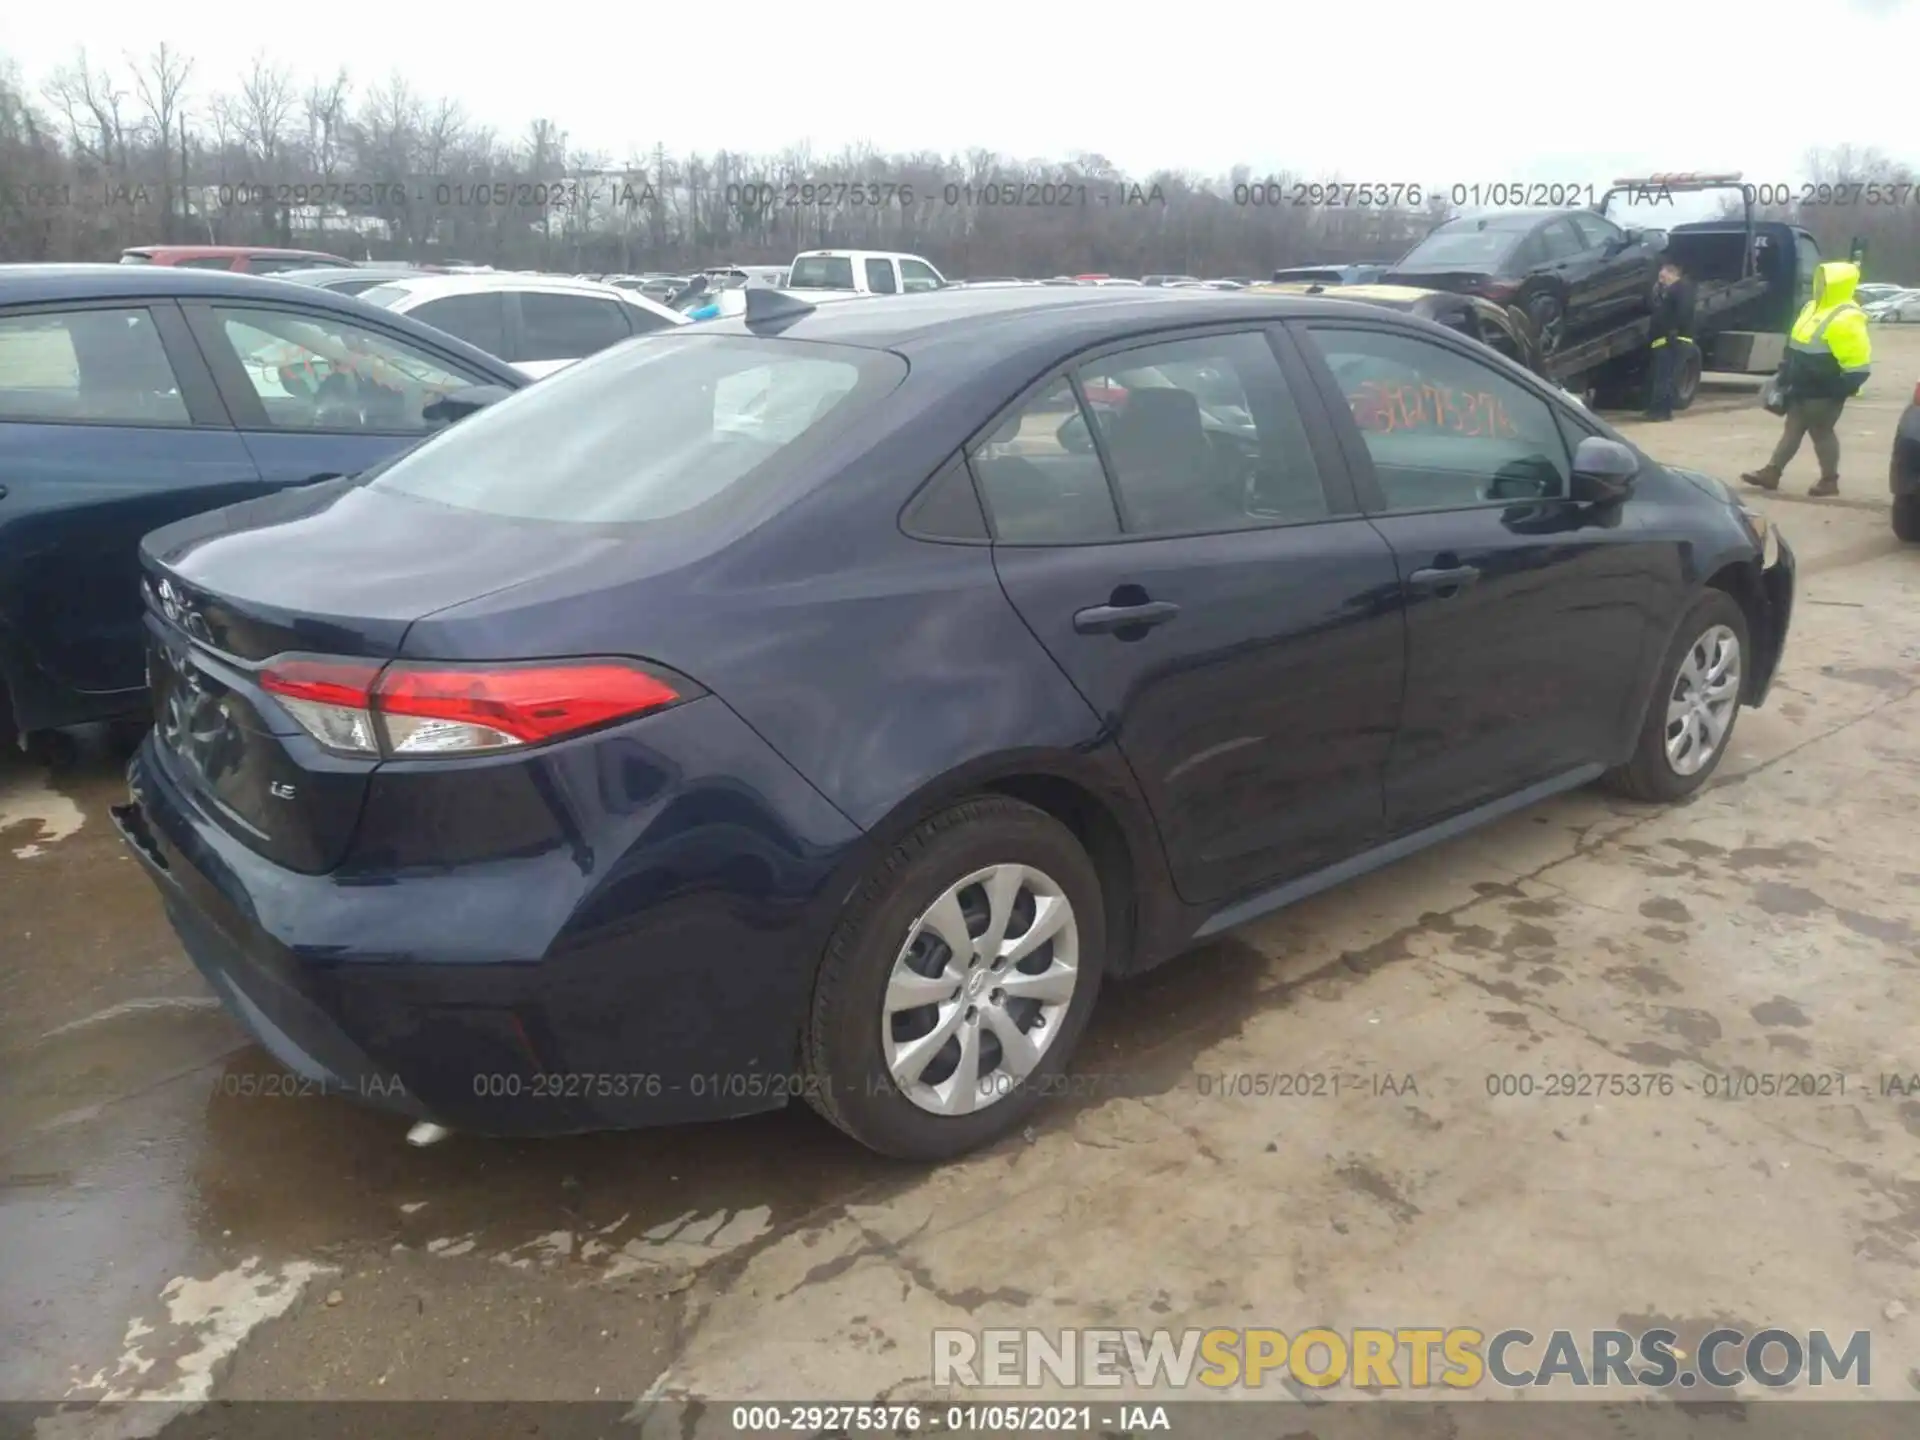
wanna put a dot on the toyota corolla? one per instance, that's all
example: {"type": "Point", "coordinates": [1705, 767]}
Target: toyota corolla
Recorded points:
{"type": "Point", "coordinates": [824, 703]}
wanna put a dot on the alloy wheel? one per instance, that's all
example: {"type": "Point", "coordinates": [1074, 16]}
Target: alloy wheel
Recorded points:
{"type": "Point", "coordinates": [980, 989]}
{"type": "Point", "coordinates": [1706, 693]}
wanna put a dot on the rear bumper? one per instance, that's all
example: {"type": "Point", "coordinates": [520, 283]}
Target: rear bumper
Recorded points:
{"type": "Point", "coordinates": [653, 971]}
{"type": "Point", "coordinates": [1777, 586]}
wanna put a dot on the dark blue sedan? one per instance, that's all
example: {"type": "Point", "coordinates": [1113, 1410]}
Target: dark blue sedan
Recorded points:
{"type": "Point", "coordinates": [822, 703]}
{"type": "Point", "coordinates": [131, 396]}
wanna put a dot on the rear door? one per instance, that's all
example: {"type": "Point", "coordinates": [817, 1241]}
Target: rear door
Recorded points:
{"type": "Point", "coordinates": [1197, 567]}
{"type": "Point", "coordinates": [110, 426]}
{"type": "Point", "coordinates": [1528, 616]}
{"type": "Point", "coordinates": [317, 396]}
{"type": "Point", "coordinates": [1578, 270]}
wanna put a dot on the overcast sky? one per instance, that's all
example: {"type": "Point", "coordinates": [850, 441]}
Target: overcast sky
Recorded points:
{"type": "Point", "coordinates": [1387, 91]}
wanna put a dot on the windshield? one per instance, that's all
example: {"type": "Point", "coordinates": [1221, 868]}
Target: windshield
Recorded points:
{"type": "Point", "coordinates": [645, 431]}
{"type": "Point", "coordinates": [1470, 246]}
{"type": "Point", "coordinates": [822, 272]}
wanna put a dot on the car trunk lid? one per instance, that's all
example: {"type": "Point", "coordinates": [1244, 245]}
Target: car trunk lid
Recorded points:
{"type": "Point", "coordinates": [348, 572]}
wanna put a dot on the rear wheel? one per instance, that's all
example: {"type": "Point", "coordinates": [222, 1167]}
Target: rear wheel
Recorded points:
{"type": "Point", "coordinates": [1686, 380]}
{"type": "Point", "coordinates": [1906, 517]}
{"type": "Point", "coordinates": [957, 983]}
{"type": "Point", "coordinates": [1690, 723]}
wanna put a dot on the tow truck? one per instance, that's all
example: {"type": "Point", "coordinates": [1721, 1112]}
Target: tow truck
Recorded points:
{"type": "Point", "coordinates": [1750, 280]}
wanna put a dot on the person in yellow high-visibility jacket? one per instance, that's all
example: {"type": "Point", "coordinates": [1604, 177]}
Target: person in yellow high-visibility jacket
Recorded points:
{"type": "Point", "coordinates": [1828, 359]}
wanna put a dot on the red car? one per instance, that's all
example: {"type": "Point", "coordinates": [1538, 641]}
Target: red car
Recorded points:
{"type": "Point", "coordinates": [249, 259]}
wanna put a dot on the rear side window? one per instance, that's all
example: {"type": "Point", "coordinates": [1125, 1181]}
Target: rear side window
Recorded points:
{"type": "Point", "coordinates": [1041, 476]}
{"type": "Point", "coordinates": [880, 277]}
{"type": "Point", "coordinates": [480, 320]}
{"type": "Point", "coordinates": [568, 327]}
{"type": "Point", "coordinates": [822, 272]}
{"type": "Point", "coordinates": [647, 432]}
{"type": "Point", "coordinates": [98, 366]}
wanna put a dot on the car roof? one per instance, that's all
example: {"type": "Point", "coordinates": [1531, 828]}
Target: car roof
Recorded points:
{"type": "Point", "coordinates": [435, 286]}
{"type": "Point", "coordinates": [1399, 296]}
{"type": "Point", "coordinates": [1011, 319]}
{"type": "Point", "coordinates": [28, 284]}
{"type": "Point", "coordinates": [71, 284]}
{"type": "Point", "coordinates": [379, 273]}
{"type": "Point", "coordinates": [265, 252]}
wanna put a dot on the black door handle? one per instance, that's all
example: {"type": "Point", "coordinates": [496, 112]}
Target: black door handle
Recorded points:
{"type": "Point", "coordinates": [322, 476]}
{"type": "Point", "coordinates": [1446, 581]}
{"type": "Point", "coordinates": [1105, 619]}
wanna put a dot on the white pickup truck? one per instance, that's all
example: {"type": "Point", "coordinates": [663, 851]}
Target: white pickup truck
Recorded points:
{"type": "Point", "coordinates": [862, 272]}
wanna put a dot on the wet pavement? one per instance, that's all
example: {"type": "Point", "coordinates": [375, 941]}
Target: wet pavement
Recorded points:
{"type": "Point", "coordinates": [178, 1222]}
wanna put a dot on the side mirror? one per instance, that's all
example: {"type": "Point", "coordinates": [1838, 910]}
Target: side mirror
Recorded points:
{"type": "Point", "coordinates": [458, 404]}
{"type": "Point", "coordinates": [1603, 471]}
{"type": "Point", "coordinates": [1073, 434]}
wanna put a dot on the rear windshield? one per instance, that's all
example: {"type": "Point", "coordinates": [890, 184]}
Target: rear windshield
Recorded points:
{"type": "Point", "coordinates": [822, 272]}
{"type": "Point", "coordinates": [383, 295]}
{"type": "Point", "coordinates": [1465, 247]}
{"type": "Point", "coordinates": [645, 431]}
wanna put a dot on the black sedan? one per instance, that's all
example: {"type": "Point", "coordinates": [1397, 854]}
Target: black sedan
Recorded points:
{"type": "Point", "coordinates": [1904, 472]}
{"type": "Point", "coordinates": [782, 707]}
{"type": "Point", "coordinates": [1573, 273]}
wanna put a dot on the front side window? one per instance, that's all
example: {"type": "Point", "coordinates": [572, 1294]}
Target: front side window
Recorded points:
{"type": "Point", "coordinates": [647, 432]}
{"type": "Point", "coordinates": [319, 372]}
{"type": "Point", "coordinates": [1444, 430]}
{"type": "Point", "coordinates": [99, 366]}
{"type": "Point", "coordinates": [1596, 230]}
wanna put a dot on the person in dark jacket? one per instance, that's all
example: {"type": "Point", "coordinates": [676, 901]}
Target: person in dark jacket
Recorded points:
{"type": "Point", "coordinates": [1672, 334]}
{"type": "Point", "coordinates": [1829, 357]}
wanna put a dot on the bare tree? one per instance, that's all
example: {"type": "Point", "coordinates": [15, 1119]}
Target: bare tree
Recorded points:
{"type": "Point", "coordinates": [161, 84]}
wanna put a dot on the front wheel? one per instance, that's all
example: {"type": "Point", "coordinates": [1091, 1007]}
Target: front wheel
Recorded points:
{"type": "Point", "coordinates": [957, 983]}
{"type": "Point", "coordinates": [1906, 517]}
{"type": "Point", "coordinates": [1549, 320]}
{"type": "Point", "coordinates": [1689, 724]}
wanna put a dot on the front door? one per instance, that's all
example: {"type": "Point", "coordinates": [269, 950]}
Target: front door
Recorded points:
{"type": "Point", "coordinates": [1194, 563]}
{"type": "Point", "coordinates": [317, 396]}
{"type": "Point", "coordinates": [1528, 615]}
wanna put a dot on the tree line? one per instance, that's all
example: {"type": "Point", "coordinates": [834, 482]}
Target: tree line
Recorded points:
{"type": "Point", "coordinates": [103, 155]}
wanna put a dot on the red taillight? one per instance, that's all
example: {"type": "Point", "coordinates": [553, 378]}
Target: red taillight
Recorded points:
{"type": "Point", "coordinates": [408, 709]}
{"type": "Point", "coordinates": [531, 705]}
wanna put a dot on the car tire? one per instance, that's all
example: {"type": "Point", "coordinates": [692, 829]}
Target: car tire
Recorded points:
{"type": "Point", "coordinates": [1686, 383]}
{"type": "Point", "coordinates": [888, 927]}
{"type": "Point", "coordinates": [1548, 316]}
{"type": "Point", "coordinates": [1655, 773]}
{"type": "Point", "coordinates": [1906, 517]}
